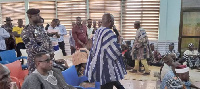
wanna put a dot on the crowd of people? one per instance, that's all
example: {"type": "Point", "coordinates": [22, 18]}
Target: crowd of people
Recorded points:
{"type": "Point", "coordinates": [99, 53]}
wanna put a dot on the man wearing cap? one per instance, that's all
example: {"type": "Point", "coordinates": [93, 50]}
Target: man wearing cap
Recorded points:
{"type": "Point", "coordinates": [191, 56]}
{"type": "Point", "coordinates": [35, 38]}
{"type": "Point", "coordinates": [167, 71]}
{"type": "Point", "coordinates": [172, 51]}
{"type": "Point", "coordinates": [140, 49]}
{"type": "Point", "coordinates": [10, 42]}
{"type": "Point", "coordinates": [182, 72]}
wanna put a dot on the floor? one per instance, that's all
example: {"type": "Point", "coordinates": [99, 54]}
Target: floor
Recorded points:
{"type": "Point", "coordinates": [139, 81]}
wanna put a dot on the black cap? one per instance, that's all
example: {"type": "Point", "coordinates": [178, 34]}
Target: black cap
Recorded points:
{"type": "Point", "coordinates": [33, 11]}
{"type": "Point", "coordinates": [171, 44]}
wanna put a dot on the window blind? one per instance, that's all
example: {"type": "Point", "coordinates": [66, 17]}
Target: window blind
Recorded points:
{"type": "Point", "coordinates": [47, 10]}
{"type": "Point", "coordinates": [14, 10]}
{"type": "Point", "coordinates": [145, 11]}
{"type": "Point", "coordinates": [69, 10]}
{"type": "Point", "coordinates": [98, 7]}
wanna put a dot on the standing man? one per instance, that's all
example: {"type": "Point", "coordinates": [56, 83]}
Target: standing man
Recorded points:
{"type": "Point", "coordinates": [79, 33]}
{"type": "Point", "coordinates": [62, 32]}
{"type": "Point", "coordinates": [17, 32]}
{"type": "Point", "coordinates": [71, 40]}
{"type": "Point", "coordinates": [140, 50]}
{"type": "Point", "coordinates": [10, 42]}
{"type": "Point", "coordinates": [89, 28]}
{"type": "Point", "coordinates": [99, 23]}
{"type": "Point", "coordinates": [3, 35]}
{"type": "Point", "coordinates": [35, 38]}
{"type": "Point", "coordinates": [105, 63]}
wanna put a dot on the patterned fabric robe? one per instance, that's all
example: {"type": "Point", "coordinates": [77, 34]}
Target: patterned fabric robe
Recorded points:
{"type": "Point", "coordinates": [105, 63]}
{"type": "Point", "coordinates": [140, 49]}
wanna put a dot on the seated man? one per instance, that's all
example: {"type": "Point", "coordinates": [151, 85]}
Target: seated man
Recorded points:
{"type": "Point", "coordinates": [182, 72]}
{"type": "Point", "coordinates": [191, 56]}
{"type": "Point", "coordinates": [172, 51]}
{"type": "Point", "coordinates": [156, 57]}
{"type": "Point", "coordinates": [5, 81]}
{"type": "Point", "coordinates": [45, 76]}
{"type": "Point", "coordinates": [167, 71]}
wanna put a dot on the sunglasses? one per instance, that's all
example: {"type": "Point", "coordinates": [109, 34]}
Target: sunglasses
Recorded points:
{"type": "Point", "coordinates": [47, 60]}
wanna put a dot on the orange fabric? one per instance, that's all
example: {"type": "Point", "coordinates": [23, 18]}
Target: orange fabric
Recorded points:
{"type": "Point", "coordinates": [80, 57]}
{"type": "Point", "coordinates": [16, 71]}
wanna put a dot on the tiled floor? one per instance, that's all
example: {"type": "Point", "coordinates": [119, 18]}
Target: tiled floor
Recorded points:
{"type": "Point", "coordinates": [138, 81]}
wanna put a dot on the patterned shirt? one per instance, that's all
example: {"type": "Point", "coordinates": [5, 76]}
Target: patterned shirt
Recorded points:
{"type": "Point", "coordinates": [140, 48]}
{"type": "Point", "coordinates": [105, 63]}
{"type": "Point", "coordinates": [35, 40]}
{"type": "Point", "coordinates": [189, 53]}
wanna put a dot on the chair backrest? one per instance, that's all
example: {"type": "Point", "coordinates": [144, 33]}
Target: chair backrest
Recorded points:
{"type": "Point", "coordinates": [71, 76]}
{"type": "Point", "coordinates": [24, 53]}
{"type": "Point", "coordinates": [8, 55]}
{"type": "Point", "coordinates": [15, 68]}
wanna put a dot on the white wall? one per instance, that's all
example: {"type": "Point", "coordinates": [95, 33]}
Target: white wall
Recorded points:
{"type": "Point", "coordinates": [169, 20]}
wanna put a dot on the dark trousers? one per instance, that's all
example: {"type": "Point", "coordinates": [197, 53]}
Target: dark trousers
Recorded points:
{"type": "Point", "coordinates": [110, 85]}
{"type": "Point", "coordinates": [20, 46]}
{"type": "Point", "coordinates": [62, 47]}
{"type": "Point", "coordinates": [72, 50]}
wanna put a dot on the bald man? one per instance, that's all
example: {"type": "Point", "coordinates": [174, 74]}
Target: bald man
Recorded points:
{"type": "Point", "coordinates": [105, 63]}
{"type": "Point", "coordinates": [140, 49]}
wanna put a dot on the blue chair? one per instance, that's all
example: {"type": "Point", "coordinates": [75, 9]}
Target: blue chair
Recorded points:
{"type": "Point", "coordinates": [9, 56]}
{"type": "Point", "coordinates": [71, 78]}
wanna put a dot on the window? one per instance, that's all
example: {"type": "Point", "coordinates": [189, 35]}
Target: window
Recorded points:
{"type": "Point", "coordinates": [69, 10]}
{"type": "Point", "coordinates": [47, 10]}
{"type": "Point", "coordinates": [145, 11]}
{"type": "Point", "coordinates": [14, 10]}
{"type": "Point", "coordinates": [98, 7]}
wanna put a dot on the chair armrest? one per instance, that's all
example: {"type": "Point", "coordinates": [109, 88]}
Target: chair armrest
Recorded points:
{"type": "Point", "coordinates": [97, 85]}
{"type": "Point", "coordinates": [82, 79]}
{"type": "Point", "coordinates": [78, 87]}
{"type": "Point", "coordinates": [22, 57]}
{"type": "Point", "coordinates": [4, 62]}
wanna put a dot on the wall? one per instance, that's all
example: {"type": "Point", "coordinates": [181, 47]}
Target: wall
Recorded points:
{"type": "Point", "coordinates": [169, 20]}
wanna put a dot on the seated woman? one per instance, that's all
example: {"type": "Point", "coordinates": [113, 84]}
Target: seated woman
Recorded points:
{"type": "Point", "coordinates": [172, 51]}
{"type": "Point", "coordinates": [191, 56]}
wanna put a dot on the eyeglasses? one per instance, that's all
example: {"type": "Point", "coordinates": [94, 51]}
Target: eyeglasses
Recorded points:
{"type": "Point", "coordinates": [47, 60]}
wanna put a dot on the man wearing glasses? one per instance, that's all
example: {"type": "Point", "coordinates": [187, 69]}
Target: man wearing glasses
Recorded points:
{"type": "Point", "coordinates": [45, 76]}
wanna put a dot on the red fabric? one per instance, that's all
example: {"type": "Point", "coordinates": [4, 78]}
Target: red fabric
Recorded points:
{"type": "Point", "coordinates": [79, 33]}
{"type": "Point", "coordinates": [181, 67]}
{"type": "Point", "coordinates": [124, 52]}
{"type": "Point", "coordinates": [16, 71]}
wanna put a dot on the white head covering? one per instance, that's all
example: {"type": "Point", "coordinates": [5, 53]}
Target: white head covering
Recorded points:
{"type": "Point", "coordinates": [182, 69]}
